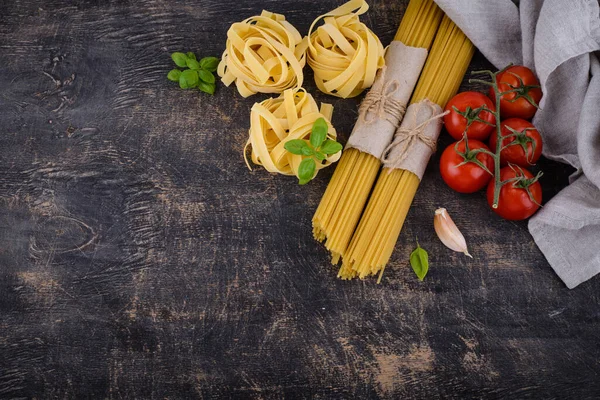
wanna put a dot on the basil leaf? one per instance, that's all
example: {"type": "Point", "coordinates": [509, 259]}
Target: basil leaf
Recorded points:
{"type": "Point", "coordinates": [210, 63]}
{"type": "Point", "coordinates": [188, 79]}
{"type": "Point", "coordinates": [191, 55]}
{"type": "Point", "coordinates": [306, 170]}
{"type": "Point", "coordinates": [308, 151]}
{"type": "Point", "coordinates": [180, 59]}
{"type": "Point", "coordinates": [192, 64]}
{"type": "Point", "coordinates": [173, 75]}
{"type": "Point", "coordinates": [206, 76]}
{"type": "Point", "coordinates": [206, 87]}
{"type": "Point", "coordinates": [331, 147]}
{"type": "Point", "coordinates": [295, 146]}
{"type": "Point", "coordinates": [419, 260]}
{"type": "Point", "coordinates": [320, 156]}
{"type": "Point", "coordinates": [319, 132]}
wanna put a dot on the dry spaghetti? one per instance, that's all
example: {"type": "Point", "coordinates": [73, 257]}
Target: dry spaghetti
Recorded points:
{"type": "Point", "coordinates": [377, 233]}
{"type": "Point", "coordinates": [339, 211]}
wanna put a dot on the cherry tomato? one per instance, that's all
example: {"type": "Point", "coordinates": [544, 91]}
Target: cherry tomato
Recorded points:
{"type": "Point", "coordinates": [469, 177]}
{"type": "Point", "coordinates": [514, 153]}
{"type": "Point", "coordinates": [515, 104]}
{"type": "Point", "coordinates": [456, 124]}
{"type": "Point", "coordinates": [514, 202]}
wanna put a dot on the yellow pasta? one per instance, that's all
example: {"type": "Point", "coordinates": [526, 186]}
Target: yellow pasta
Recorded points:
{"type": "Point", "coordinates": [344, 200]}
{"type": "Point", "coordinates": [344, 54]}
{"type": "Point", "coordinates": [276, 121]}
{"type": "Point", "coordinates": [374, 240]}
{"type": "Point", "coordinates": [263, 54]}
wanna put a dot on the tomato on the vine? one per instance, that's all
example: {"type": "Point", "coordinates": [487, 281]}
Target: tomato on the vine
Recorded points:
{"type": "Point", "coordinates": [470, 105]}
{"type": "Point", "coordinates": [522, 102]}
{"type": "Point", "coordinates": [461, 166]}
{"type": "Point", "coordinates": [519, 199]}
{"type": "Point", "coordinates": [527, 138]}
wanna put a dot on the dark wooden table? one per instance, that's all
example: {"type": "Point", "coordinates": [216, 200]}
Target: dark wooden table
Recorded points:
{"type": "Point", "coordinates": [139, 258]}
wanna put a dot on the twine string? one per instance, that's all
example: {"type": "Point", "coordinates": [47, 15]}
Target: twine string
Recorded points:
{"type": "Point", "coordinates": [405, 138]}
{"type": "Point", "coordinates": [380, 103]}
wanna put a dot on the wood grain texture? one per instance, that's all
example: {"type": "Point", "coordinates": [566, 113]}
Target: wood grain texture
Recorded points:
{"type": "Point", "coordinates": [139, 258]}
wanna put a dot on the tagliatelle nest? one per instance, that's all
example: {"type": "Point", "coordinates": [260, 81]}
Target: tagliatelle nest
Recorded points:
{"type": "Point", "coordinates": [276, 121]}
{"type": "Point", "coordinates": [263, 54]}
{"type": "Point", "coordinates": [344, 54]}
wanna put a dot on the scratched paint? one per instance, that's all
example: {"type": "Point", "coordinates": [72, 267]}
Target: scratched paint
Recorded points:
{"type": "Point", "coordinates": [139, 258]}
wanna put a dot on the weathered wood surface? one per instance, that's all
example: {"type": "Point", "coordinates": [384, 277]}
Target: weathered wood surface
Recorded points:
{"type": "Point", "coordinates": [139, 258]}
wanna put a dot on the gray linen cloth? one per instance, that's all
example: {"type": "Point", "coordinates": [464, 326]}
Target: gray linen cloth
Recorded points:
{"type": "Point", "coordinates": [559, 40]}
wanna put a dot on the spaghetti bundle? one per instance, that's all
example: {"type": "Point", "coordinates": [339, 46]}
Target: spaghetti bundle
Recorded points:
{"type": "Point", "coordinates": [276, 121]}
{"type": "Point", "coordinates": [344, 200]}
{"type": "Point", "coordinates": [344, 54]}
{"type": "Point", "coordinates": [263, 54]}
{"type": "Point", "coordinates": [374, 240]}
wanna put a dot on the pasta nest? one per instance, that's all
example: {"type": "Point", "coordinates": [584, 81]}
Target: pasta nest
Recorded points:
{"type": "Point", "coordinates": [276, 121]}
{"type": "Point", "coordinates": [263, 54]}
{"type": "Point", "coordinates": [344, 54]}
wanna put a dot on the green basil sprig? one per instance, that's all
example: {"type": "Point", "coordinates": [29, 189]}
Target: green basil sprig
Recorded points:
{"type": "Point", "coordinates": [316, 149]}
{"type": "Point", "coordinates": [419, 260]}
{"type": "Point", "coordinates": [198, 74]}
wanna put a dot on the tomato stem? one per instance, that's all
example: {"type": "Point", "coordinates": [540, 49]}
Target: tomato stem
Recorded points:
{"type": "Point", "coordinates": [499, 140]}
{"type": "Point", "coordinates": [472, 114]}
{"type": "Point", "coordinates": [470, 156]}
{"type": "Point", "coordinates": [522, 91]}
{"type": "Point", "coordinates": [496, 155]}
{"type": "Point", "coordinates": [521, 139]}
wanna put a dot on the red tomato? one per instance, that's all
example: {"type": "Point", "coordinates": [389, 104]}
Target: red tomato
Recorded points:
{"type": "Point", "coordinates": [514, 153]}
{"type": "Point", "coordinates": [515, 104]}
{"type": "Point", "coordinates": [456, 124]}
{"type": "Point", "coordinates": [514, 202]}
{"type": "Point", "coordinates": [470, 177]}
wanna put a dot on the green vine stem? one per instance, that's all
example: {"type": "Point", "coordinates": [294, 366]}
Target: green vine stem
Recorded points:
{"type": "Point", "coordinates": [500, 139]}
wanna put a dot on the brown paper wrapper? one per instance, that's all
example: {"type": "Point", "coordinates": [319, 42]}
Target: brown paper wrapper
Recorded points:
{"type": "Point", "coordinates": [372, 134]}
{"type": "Point", "coordinates": [414, 155]}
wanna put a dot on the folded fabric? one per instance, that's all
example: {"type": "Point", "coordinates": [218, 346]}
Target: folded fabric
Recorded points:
{"type": "Point", "coordinates": [559, 40]}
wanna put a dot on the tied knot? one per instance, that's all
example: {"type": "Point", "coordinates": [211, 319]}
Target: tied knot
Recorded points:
{"type": "Point", "coordinates": [380, 103]}
{"type": "Point", "coordinates": [405, 138]}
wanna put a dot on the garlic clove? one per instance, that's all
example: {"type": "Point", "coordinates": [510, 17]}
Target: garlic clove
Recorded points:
{"type": "Point", "coordinates": [448, 232]}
